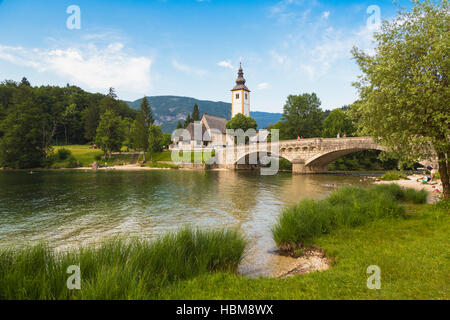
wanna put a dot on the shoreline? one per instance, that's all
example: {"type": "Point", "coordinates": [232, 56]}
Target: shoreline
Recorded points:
{"type": "Point", "coordinates": [412, 183]}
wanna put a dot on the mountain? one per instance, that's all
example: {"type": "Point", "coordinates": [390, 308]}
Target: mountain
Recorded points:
{"type": "Point", "coordinates": [167, 110]}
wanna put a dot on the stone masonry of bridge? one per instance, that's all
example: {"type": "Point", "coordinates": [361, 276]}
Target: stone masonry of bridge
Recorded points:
{"type": "Point", "coordinates": [307, 155]}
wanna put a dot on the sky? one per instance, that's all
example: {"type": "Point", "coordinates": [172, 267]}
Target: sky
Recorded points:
{"type": "Point", "coordinates": [193, 47]}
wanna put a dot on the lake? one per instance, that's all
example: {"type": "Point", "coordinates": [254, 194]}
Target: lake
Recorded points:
{"type": "Point", "coordinates": [71, 208]}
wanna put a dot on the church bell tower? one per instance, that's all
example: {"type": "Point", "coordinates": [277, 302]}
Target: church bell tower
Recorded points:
{"type": "Point", "coordinates": [241, 96]}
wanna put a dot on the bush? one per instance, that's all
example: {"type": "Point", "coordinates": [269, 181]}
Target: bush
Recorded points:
{"type": "Point", "coordinates": [345, 207]}
{"type": "Point", "coordinates": [73, 163]}
{"type": "Point", "coordinates": [63, 154]}
{"type": "Point", "coordinates": [394, 175]}
{"type": "Point", "coordinates": [119, 269]}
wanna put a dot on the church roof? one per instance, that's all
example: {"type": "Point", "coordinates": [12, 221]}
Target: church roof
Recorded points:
{"type": "Point", "coordinates": [191, 129]}
{"type": "Point", "coordinates": [216, 123]}
{"type": "Point", "coordinates": [240, 82]}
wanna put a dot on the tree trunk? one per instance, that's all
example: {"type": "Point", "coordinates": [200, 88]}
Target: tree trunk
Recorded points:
{"type": "Point", "coordinates": [444, 166]}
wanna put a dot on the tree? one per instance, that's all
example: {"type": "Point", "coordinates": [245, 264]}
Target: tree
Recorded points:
{"type": "Point", "coordinates": [166, 140]}
{"type": "Point", "coordinates": [195, 114]}
{"type": "Point", "coordinates": [143, 122]}
{"type": "Point", "coordinates": [21, 144]}
{"type": "Point", "coordinates": [240, 121]}
{"type": "Point", "coordinates": [129, 126]}
{"type": "Point", "coordinates": [179, 125]}
{"type": "Point", "coordinates": [110, 133]}
{"type": "Point", "coordinates": [404, 90]}
{"type": "Point", "coordinates": [302, 116]}
{"type": "Point", "coordinates": [337, 122]}
{"type": "Point", "coordinates": [68, 119]}
{"type": "Point", "coordinates": [187, 121]}
{"type": "Point", "coordinates": [155, 140]}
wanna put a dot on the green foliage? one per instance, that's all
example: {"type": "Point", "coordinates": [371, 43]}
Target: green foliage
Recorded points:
{"type": "Point", "coordinates": [338, 122]}
{"type": "Point", "coordinates": [155, 140]}
{"type": "Point", "coordinates": [394, 175]}
{"type": "Point", "coordinates": [110, 132]}
{"type": "Point", "coordinates": [367, 160]}
{"type": "Point", "coordinates": [240, 121]}
{"type": "Point", "coordinates": [63, 154]}
{"type": "Point", "coordinates": [302, 117]}
{"type": "Point", "coordinates": [143, 122]}
{"type": "Point", "coordinates": [404, 87]}
{"type": "Point", "coordinates": [346, 207]}
{"type": "Point", "coordinates": [119, 269]}
{"type": "Point", "coordinates": [195, 113]}
{"type": "Point", "coordinates": [21, 143]}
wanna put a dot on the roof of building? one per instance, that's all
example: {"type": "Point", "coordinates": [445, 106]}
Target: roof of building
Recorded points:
{"type": "Point", "coordinates": [216, 123]}
{"type": "Point", "coordinates": [191, 129]}
{"type": "Point", "coordinates": [240, 82]}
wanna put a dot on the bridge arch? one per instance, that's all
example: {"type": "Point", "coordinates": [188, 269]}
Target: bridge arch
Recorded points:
{"type": "Point", "coordinates": [325, 158]}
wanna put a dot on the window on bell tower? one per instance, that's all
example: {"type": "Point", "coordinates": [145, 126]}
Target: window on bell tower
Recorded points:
{"type": "Point", "coordinates": [246, 96]}
{"type": "Point", "coordinates": [237, 96]}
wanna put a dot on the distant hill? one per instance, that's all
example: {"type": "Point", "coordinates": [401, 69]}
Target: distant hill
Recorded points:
{"type": "Point", "coordinates": [167, 110]}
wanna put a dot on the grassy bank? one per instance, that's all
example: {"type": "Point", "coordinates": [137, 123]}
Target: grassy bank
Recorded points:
{"type": "Point", "coordinates": [412, 253]}
{"type": "Point", "coordinates": [300, 224]}
{"type": "Point", "coordinates": [119, 269]}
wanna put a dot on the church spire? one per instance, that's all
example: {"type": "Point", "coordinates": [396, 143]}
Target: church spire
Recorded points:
{"type": "Point", "coordinates": [240, 82]}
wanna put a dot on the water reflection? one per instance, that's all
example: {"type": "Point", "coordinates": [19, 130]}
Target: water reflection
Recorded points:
{"type": "Point", "coordinates": [68, 208]}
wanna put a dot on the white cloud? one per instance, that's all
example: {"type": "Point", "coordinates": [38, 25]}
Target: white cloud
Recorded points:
{"type": "Point", "coordinates": [226, 64]}
{"type": "Point", "coordinates": [263, 86]}
{"type": "Point", "coordinates": [88, 66]}
{"type": "Point", "coordinates": [325, 14]}
{"type": "Point", "coordinates": [187, 69]}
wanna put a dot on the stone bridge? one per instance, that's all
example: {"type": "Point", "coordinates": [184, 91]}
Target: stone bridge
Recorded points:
{"type": "Point", "coordinates": [307, 155]}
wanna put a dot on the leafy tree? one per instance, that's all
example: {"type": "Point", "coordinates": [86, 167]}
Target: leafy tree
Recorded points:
{"type": "Point", "coordinates": [195, 114]}
{"type": "Point", "coordinates": [240, 121]}
{"type": "Point", "coordinates": [155, 140]}
{"type": "Point", "coordinates": [404, 90]}
{"type": "Point", "coordinates": [91, 118]}
{"type": "Point", "coordinates": [187, 121]}
{"type": "Point", "coordinates": [129, 126]}
{"type": "Point", "coordinates": [110, 133]}
{"type": "Point", "coordinates": [21, 144]}
{"type": "Point", "coordinates": [166, 140]}
{"type": "Point", "coordinates": [302, 116]}
{"type": "Point", "coordinates": [143, 122]}
{"type": "Point", "coordinates": [69, 117]}
{"type": "Point", "coordinates": [337, 122]}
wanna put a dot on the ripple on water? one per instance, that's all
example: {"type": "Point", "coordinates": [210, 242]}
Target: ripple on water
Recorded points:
{"type": "Point", "coordinates": [74, 208]}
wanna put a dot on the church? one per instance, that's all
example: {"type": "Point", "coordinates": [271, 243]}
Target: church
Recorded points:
{"type": "Point", "coordinates": [210, 131]}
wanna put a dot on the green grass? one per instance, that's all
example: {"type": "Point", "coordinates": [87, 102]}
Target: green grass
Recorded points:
{"type": "Point", "coordinates": [412, 254]}
{"type": "Point", "coordinates": [298, 225]}
{"type": "Point", "coordinates": [85, 156]}
{"type": "Point", "coordinates": [394, 175]}
{"type": "Point", "coordinates": [119, 269]}
{"type": "Point", "coordinates": [160, 165]}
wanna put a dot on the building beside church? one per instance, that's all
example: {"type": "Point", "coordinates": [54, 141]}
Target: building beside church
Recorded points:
{"type": "Point", "coordinates": [210, 131]}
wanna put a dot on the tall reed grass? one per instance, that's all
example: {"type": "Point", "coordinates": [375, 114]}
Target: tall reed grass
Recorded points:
{"type": "Point", "coordinates": [348, 206]}
{"type": "Point", "coordinates": [119, 269]}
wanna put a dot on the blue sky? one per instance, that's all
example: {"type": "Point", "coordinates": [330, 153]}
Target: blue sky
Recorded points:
{"type": "Point", "coordinates": [191, 47]}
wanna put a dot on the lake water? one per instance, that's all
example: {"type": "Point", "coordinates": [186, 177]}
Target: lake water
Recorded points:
{"type": "Point", "coordinates": [71, 208]}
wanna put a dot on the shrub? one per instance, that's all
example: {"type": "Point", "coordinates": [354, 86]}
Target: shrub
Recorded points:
{"type": "Point", "coordinates": [73, 163]}
{"type": "Point", "coordinates": [394, 175]}
{"type": "Point", "coordinates": [63, 154]}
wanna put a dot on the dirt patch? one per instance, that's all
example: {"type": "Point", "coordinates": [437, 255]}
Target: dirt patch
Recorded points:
{"type": "Point", "coordinates": [312, 259]}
